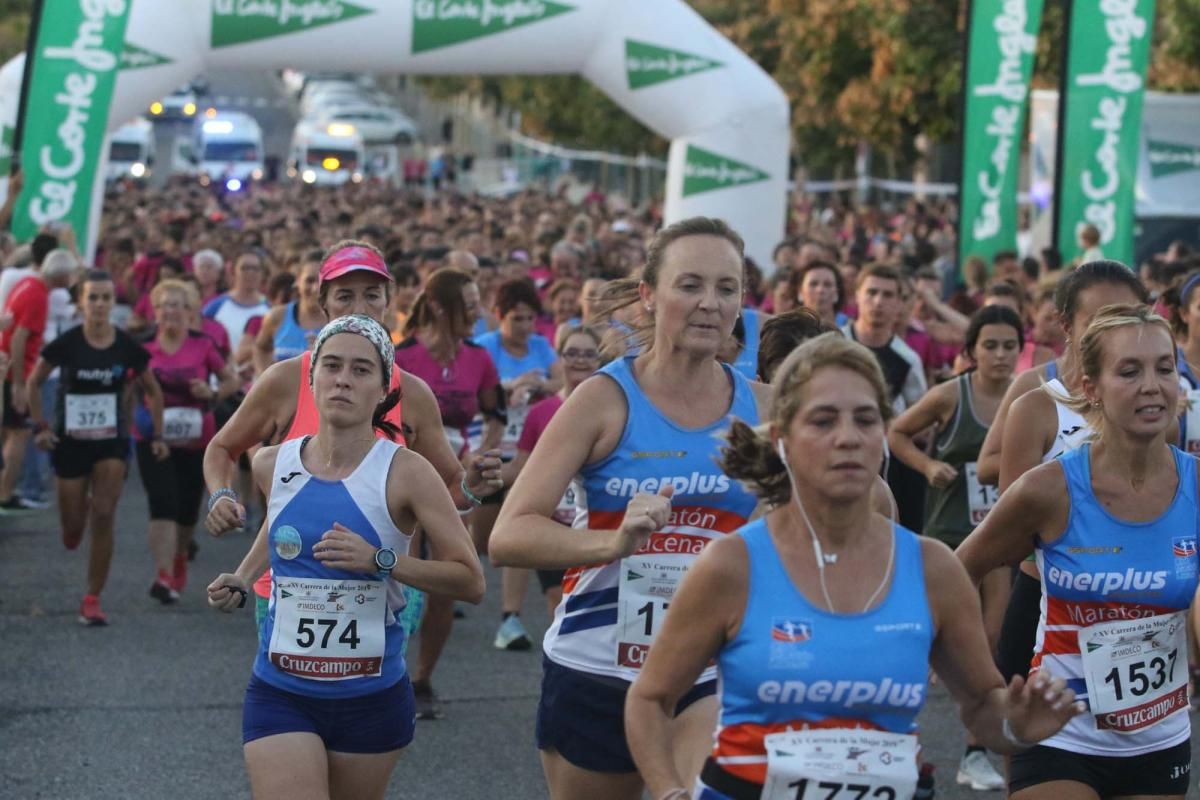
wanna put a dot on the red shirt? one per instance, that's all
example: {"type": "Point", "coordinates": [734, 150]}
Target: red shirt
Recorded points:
{"type": "Point", "coordinates": [29, 303]}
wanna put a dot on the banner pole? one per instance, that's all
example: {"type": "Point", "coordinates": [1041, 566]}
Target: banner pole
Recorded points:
{"type": "Point", "coordinates": [35, 23]}
{"type": "Point", "coordinates": [1060, 130]}
{"type": "Point", "coordinates": [962, 131]}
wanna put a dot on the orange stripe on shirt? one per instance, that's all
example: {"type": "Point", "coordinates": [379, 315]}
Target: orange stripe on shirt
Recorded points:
{"type": "Point", "coordinates": [748, 739]}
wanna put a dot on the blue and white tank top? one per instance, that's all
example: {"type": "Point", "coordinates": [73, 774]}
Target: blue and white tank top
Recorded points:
{"type": "Point", "coordinates": [1073, 430]}
{"type": "Point", "coordinates": [747, 360]}
{"type": "Point", "coordinates": [795, 665]}
{"type": "Point", "coordinates": [1105, 571]}
{"type": "Point", "coordinates": [301, 509]}
{"type": "Point", "coordinates": [290, 339]}
{"type": "Point", "coordinates": [653, 451]}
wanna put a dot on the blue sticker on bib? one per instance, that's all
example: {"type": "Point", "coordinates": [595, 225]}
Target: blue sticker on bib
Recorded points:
{"type": "Point", "coordinates": [287, 542]}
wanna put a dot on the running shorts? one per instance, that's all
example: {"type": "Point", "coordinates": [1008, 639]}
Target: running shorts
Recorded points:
{"type": "Point", "coordinates": [75, 458]}
{"type": "Point", "coordinates": [550, 578]}
{"type": "Point", "coordinates": [1160, 772]}
{"type": "Point", "coordinates": [13, 419]}
{"type": "Point", "coordinates": [174, 485]}
{"type": "Point", "coordinates": [1018, 632]}
{"type": "Point", "coordinates": [373, 723]}
{"type": "Point", "coordinates": [582, 716]}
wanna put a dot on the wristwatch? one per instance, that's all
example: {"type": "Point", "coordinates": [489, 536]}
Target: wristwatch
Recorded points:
{"type": "Point", "coordinates": [385, 559]}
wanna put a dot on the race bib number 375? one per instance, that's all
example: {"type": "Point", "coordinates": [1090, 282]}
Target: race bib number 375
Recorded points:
{"type": "Point", "coordinates": [328, 630]}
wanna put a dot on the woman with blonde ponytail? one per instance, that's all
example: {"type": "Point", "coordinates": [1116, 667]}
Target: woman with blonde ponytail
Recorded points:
{"type": "Point", "coordinates": [824, 617]}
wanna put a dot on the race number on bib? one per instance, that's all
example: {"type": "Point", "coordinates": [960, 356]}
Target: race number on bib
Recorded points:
{"type": "Point", "coordinates": [512, 430]}
{"type": "Point", "coordinates": [328, 630]}
{"type": "Point", "coordinates": [91, 416]}
{"type": "Point", "coordinates": [182, 424]}
{"type": "Point", "coordinates": [840, 764]}
{"type": "Point", "coordinates": [645, 588]}
{"type": "Point", "coordinates": [980, 496]}
{"type": "Point", "coordinates": [1136, 671]}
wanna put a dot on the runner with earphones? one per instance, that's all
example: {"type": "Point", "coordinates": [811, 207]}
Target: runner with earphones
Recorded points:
{"type": "Point", "coordinates": [824, 645]}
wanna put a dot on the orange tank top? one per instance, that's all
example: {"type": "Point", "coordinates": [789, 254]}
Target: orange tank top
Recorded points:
{"type": "Point", "coordinates": [306, 422]}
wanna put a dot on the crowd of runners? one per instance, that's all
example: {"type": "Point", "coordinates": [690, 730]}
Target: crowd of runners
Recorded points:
{"type": "Point", "coordinates": [765, 513]}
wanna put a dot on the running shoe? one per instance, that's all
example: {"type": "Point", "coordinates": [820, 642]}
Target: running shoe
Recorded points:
{"type": "Point", "coordinates": [428, 706]}
{"type": "Point", "coordinates": [90, 613]}
{"type": "Point", "coordinates": [976, 771]}
{"type": "Point", "coordinates": [16, 505]}
{"type": "Point", "coordinates": [33, 502]}
{"type": "Point", "coordinates": [161, 591]}
{"type": "Point", "coordinates": [511, 635]}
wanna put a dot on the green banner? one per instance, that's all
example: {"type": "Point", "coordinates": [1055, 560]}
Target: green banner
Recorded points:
{"type": "Point", "coordinates": [134, 57]}
{"type": "Point", "coordinates": [74, 67]}
{"type": "Point", "coordinates": [705, 171]}
{"type": "Point", "coordinates": [1168, 158]}
{"type": "Point", "coordinates": [441, 23]}
{"type": "Point", "coordinates": [647, 64]}
{"type": "Point", "coordinates": [1100, 123]}
{"type": "Point", "coordinates": [242, 21]}
{"type": "Point", "coordinates": [1000, 49]}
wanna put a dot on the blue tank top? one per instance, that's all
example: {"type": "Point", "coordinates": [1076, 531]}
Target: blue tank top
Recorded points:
{"type": "Point", "coordinates": [1051, 369]}
{"type": "Point", "coordinates": [747, 360]}
{"type": "Point", "coordinates": [290, 339]}
{"type": "Point", "coordinates": [653, 452]}
{"type": "Point", "coordinates": [1104, 569]}
{"type": "Point", "coordinates": [793, 663]}
{"type": "Point", "coordinates": [301, 508]}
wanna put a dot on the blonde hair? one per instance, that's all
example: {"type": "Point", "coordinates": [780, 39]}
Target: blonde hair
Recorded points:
{"type": "Point", "coordinates": [177, 286]}
{"type": "Point", "coordinates": [750, 456]}
{"type": "Point", "coordinates": [1091, 354]}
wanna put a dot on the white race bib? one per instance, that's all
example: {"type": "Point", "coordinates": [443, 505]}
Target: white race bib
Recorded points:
{"type": "Point", "coordinates": [182, 424]}
{"type": "Point", "coordinates": [1136, 670]}
{"type": "Point", "coordinates": [565, 513]}
{"type": "Point", "coordinates": [512, 430]}
{"type": "Point", "coordinates": [644, 590]}
{"type": "Point", "coordinates": [1192, 445]}
{"type": "Point", "coordinates": [840, 764]}
{"type": "Point", "coordinates": [980, 496]}
{"type": "Point", "coordinates": [328, 630]}
{"type": "Point", "coordinates": [91, 416]}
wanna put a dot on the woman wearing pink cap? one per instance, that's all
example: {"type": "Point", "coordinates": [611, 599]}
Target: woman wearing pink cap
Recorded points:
{"type": "Point", "coordinates": [279, 406]}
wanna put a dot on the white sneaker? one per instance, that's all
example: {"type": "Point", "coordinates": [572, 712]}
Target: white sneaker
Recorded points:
{"type": "Point", "coordinates": [512, 635]}
{"type": "Point", "coordinates": [976, 771]}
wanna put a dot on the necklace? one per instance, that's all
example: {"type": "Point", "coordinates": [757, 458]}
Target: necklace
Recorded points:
{"type": "Point", "coordinates": [330, 454]}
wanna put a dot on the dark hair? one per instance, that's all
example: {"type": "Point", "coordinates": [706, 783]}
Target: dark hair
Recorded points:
{"type": "Point", "coordinates": [1094, 273]}
{"type": "Point", "coordinates": [172, 263]}
{"type": "Point", "coordinates": [992, 315]}
{"type": "Point", "coordinates": [41, 246]}
{"type": "Point", "coordinates": [405, 275]}
{"type": "Point", "coordinates": [880, 271]}
{"type": "Point", "coordinates": [1004, 255]}
{"type": "Point", "coordinates": [444, 287]}
{"type": "Point", "coordinates": [379, 420]}
{"type": "Point", "coordinates": [282, 283]}
{"type": "Point", "coordinates": [1052, 258]}
{"type": "Point", "coordinates": [798, 276]}
{"type": "Point", "coordinates": [1007, 289]}
{"type": "Point", "coordinates": [782, 334]}
{"type": "Point", "coordinates": [95, 276]}
{"type": "Point", "coordinates": [511, 294]}
{"type": "Point", "coordinates": [1031, 268]}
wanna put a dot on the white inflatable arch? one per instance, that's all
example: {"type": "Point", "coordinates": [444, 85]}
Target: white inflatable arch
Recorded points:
{"type": "Point", "coordinates": [727, 120]}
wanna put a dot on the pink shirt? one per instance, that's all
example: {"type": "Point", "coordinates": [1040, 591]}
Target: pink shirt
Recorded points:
{"type": "Point", "coordinates": [457, 387]}
{"type": "Point", "coordinates": [196, 359]}
{"type": "Point", "coordinates": [535, 424]}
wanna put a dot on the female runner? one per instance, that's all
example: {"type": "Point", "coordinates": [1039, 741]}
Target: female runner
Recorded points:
{"type": "Point", "coordinates": [329, 705]}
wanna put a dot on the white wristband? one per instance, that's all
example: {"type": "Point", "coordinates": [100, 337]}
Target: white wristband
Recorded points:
{"type": "Point", "coordinates": [678, 793]}
{"type": "Point", "coordinates": [1007, 732]}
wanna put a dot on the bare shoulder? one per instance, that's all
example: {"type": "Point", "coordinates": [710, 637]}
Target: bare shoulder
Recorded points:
{"type": "Point", "coordinates": [263, 464]}
{"type": "Point", "coordinates": [281, 379]}
{"type": "Point", "coordinates": [1033, 405]}
{"type": "Point", "coordinates": [726, 560]}
{"type": "Point", "coordinates": [1040, 490]}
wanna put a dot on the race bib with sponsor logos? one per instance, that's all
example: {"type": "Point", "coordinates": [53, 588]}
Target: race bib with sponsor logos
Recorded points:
{"type": "Point", "coordinates": [840, 764]}
{"type": "Point", "coordinates": [182, 424]}
{"type": "Point", "coordinates": [980, 496]}
{"type": "Point", "coordinates": [1135, 670]}
{"type": "Point", "coordinates": [646, 585]}
{"type": "Point", "coordinates": [329, 630]}
{"type": "Point", "coordinates": [91, 416]}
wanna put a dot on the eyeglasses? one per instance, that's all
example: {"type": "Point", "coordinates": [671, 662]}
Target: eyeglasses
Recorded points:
{"type": "Point", "coordinates": [580, 355]}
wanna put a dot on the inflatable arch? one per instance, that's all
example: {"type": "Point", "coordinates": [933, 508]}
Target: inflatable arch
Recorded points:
{"type": "Point", "coordinates": [727, 120]}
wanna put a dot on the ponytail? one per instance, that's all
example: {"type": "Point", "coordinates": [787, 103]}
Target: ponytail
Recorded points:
{"type": "Point", "coordinates": [379, 420]}
{"type": "Point", "coordinates": [749, 458]}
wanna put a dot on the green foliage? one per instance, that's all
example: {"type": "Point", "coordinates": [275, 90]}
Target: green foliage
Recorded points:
{"type": "Point", "coordinates": [14, 27]}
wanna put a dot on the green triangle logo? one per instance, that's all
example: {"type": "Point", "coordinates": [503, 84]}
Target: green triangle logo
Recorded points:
{"type": "Point", "coordinates": [1168, 158]}
{"type": "Point", "coordinates": [239, 21]}
{"type": "Point", "coordinates": [705, 171]}
{"type": "Point", "coordinates": [648, 64]}
{"type": "Point", "coordinates": [441, 23]}
{"type": "Point", "coordinates": [134, 57]}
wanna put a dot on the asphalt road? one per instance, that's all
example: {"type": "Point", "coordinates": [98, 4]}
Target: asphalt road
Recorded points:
{"type": "Point", "coordinates": [150, 707]}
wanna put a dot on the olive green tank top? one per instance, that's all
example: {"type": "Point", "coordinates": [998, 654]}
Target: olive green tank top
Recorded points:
{"type": "Point", "coordinates": [953, 512]}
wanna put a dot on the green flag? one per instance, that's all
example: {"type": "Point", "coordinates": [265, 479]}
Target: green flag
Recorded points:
{"type": "Point", "coordinates": [1100, 123]}
{"type": "Point", "coordinates": [73, 65]}
{"type": "Point", "coordinates": [241, 22]}
{"type": "Point", "coordinates": [441, 23]}
{"type": "Point", "coordinates": [648, 64]}
{"type": "Point", "coordinates": [1001, 44]}
{"type": "Point", "coordinates": [1168, 158]}
{"type": "Point", "coordinates": [134, 57]}
{"type": "Point", "coordinates": [705, 171]}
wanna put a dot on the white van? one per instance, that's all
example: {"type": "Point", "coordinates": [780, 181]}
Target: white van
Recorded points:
{"type": "Point", "coordinates": [326, 154]}
{"type": "Point", "coordinates": [131, 151]}
{"type": "Point", "coordinates": [228, 147]}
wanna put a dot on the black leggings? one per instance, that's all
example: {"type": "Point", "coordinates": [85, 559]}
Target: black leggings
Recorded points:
{"type": "Point", "coordinates": [1018, 633]}
{"type": "Point", "coordinates": [174, 485]}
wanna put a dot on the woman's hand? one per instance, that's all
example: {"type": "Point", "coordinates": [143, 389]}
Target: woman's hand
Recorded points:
{"type": "Point", "coordinates": [645, 514]}
{"type": "Point", "coordinates": [1039, 707]}
{"type": "Point", "coordinates": [226, 515]}
{"type": "Point", "coordinates": [46, 440]}
{"type": "Point", "coordinates": [228, 592]}
{"type": "Point", "coordinates": [342, 548]}
{"type": "Point", "coordinates": [483, 473]}
{"type": "Point", "coordinates": [940, 474]}
{"type": "Point", "coordinates": [201, 390]}
{"type": "Point", "coordinates": [160, 450]}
